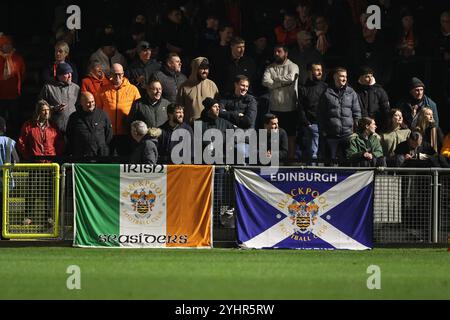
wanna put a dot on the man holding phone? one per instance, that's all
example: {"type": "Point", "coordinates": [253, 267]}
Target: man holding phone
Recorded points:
{"type": "Point", "coordinates": [62, 95]}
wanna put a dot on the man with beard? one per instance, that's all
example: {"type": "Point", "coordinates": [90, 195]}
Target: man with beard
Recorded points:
{"type": "Point", "coordinates": [338, 112]}
{"type": "Point", "coordinates": [196, 89]}
{"type": "Point", "coordinates": [95, 79]}
{"type": "Point", "coordinates": [271, 125]}
{"type": "Point", "coordinates": [175, 113]}
{"type": "Point", "coordinates": [39, 137]}
{"type": "Point", "coordinates": [308, 102]}
{"type": "Point", "coordinates": [281, 78]}
{"type": "Point", "coordinates": [151, 108]}
{"type": "Point", "coordinates": [62, 95]}
{"type": "Point", "coordinates": [89, 130]}
{"type": "Point", "coordinates": [416, 101]}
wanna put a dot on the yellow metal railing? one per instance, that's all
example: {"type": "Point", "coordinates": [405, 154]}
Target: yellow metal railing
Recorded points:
{"type": "Point", "coordinates": [30, 202]}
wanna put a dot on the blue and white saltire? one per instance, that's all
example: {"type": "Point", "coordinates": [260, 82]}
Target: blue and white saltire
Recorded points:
{"type": "Point", "coordinates": [272, 212]}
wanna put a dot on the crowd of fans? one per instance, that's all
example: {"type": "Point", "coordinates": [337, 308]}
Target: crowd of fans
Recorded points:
{"type": "Point", "coordinates": [336, 91]}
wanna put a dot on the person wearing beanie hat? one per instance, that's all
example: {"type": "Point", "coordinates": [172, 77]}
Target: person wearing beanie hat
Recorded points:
{"type": "Point", "coordinates": [108, 55]}
{"type": "Point", "coordinates": [208, 103]}
{"type": "Point", "coordinates": [415, 102]}
{"type": "Point", "coordinates": [210, 120]}
{"type": "Point", "coordinates": [62, 95]}
{"type": "Point", "coordinates": [373, 99]}
{"type": "Point", "coordinates": [141, 71]}
{"type": "Point", "coordinates": [415, 83]}
{"type": "Point", "coordinates": [12, 72]}
{"type": "Point", "coordinates": [63, 69]}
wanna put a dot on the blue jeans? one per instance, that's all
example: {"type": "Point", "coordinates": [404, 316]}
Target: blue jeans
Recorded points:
{"type": "Point", "coordinates": [311, 139]}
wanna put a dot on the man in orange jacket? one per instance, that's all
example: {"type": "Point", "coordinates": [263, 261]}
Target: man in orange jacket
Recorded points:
{"type": "Point", "coordinates": [116, 100]}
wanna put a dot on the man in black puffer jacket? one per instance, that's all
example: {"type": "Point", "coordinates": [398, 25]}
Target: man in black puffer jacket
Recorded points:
{"type": "Point", "coordinates": [89, 130]}
{"type": "Point", "coordinates": [339, 109]}
{"type": "Point", "coordinates": [308, 102]}
{"type": "Point", "coordinates": [373, 98]}
{"type": "Point", "coordinates": [240, 108]}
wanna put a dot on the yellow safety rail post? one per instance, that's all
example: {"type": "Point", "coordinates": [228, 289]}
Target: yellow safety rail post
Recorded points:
{"type": "Point", "coordinates": [30, 201]}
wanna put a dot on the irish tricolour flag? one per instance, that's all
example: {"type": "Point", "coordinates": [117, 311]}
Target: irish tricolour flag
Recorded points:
{"type": "Point", "coordinates": [142, 206]}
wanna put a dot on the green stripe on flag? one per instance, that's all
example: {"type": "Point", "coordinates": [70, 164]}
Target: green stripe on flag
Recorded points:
{"type": "Point", "coordinates": [97, 190]}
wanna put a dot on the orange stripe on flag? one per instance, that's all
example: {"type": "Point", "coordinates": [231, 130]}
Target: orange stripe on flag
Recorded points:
{"type": "Point", "coordinates": [189, 203]}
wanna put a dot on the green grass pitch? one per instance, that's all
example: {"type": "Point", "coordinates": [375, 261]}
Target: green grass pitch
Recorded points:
{"type": "Point", "coordinates": [40, 273]}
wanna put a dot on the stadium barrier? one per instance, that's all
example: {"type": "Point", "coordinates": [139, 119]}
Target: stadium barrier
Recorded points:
{"type": "Point", "coordinates": [30, 202]}
{"type": "Point", "coordinates": [411, 205]}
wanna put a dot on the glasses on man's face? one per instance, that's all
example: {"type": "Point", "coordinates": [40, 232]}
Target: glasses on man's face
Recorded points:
{"type": "Point", "coordinates": [118, 75]}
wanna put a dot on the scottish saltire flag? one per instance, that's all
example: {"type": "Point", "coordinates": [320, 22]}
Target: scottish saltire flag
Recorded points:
{"type": "Point", "coordinates": [304, 209]}
{"type": "Point", "coordinates": [142, 206]}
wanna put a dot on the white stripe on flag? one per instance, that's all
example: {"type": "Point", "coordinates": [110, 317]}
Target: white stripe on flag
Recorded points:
{"type": "Point", "coordinates": [150, 220]}
{"type": "Point", "coordinates": [284, 228]}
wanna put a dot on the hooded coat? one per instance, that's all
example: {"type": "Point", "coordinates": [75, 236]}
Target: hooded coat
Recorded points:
{"type": "Point", "coordinates": [194, 91]}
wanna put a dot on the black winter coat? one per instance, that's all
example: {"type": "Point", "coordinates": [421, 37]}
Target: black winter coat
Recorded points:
{"type": "Point", "coordinates": [338, 110]}
{"type": "Point", "coordinates": [232, 106]}
{"type": "Point", "coordinates": [374, 101]}
{"type": "Point", "coordinates": [231, 68]}
{"type": "Point", "coordinates": [89, 134]}
{"type": "Point", "coordinates": [308, 101]}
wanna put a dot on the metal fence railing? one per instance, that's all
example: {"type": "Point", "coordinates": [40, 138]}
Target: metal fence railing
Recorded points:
{"type": "Point", "coordinates": [444, 208]}
{"type": "Point", "coordinates": [411, 206]}
{"type": "Point", "coordinates": [30, 202]}
{"type": "Point", "coordinates": [403, 208]}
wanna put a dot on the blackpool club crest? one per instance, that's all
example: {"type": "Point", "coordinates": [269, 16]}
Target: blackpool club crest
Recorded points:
{"type": "Point", "coordinates": [142, 203]}
{"type": "Point", "coordinates": [303, 215]}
